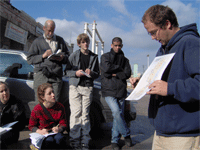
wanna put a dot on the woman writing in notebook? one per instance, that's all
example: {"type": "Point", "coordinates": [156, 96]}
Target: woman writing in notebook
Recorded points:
{"type": "Point", "coordinates": [48, 116]}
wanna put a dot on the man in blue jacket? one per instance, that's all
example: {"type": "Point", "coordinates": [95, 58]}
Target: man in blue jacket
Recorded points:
{"type": "Point", "coordinates": [174, 104]}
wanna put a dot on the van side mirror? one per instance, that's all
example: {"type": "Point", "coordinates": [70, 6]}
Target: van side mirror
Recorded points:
{"type": "Point", "coordinates": [12, 71]}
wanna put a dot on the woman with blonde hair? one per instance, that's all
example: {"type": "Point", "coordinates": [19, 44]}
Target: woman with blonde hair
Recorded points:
{"type": "Point", "coordinates": [11, 110]}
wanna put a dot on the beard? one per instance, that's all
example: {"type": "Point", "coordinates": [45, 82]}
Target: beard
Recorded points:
{"type": "Point", "coordinates": [49, 36]}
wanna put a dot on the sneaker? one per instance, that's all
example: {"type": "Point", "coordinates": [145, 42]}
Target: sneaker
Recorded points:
{"type": "Point", "coordinates": [85, 146]}
{"type": "Point", "coordinates": [115, 146]}
{"type": "Point", "coordinates": [128, 141]}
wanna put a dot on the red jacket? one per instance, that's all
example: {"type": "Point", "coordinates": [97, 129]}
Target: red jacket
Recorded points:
{"type": "Point", "coordinates": [39, 120]}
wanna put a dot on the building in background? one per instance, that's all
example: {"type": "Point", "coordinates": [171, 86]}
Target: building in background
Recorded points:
{"type": "Point", "coordinates": [18, 30]}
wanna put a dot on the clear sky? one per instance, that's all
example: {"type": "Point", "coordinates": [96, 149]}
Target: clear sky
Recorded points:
{"type": "Point", "coordinates": [120, 18]}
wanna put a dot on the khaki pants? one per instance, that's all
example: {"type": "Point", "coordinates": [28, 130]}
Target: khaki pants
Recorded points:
{"type": "Point", "coordinates": [175, 143]}
{"type": "Point", "coordinates": [80, 99]}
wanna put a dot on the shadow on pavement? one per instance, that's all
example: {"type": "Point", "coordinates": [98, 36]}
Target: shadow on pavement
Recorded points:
{"type": "Point", "coordinates": [142, 133]}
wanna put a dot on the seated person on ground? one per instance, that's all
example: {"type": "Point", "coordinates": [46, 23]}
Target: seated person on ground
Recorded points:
{"type": "Point", "coordinates": [11, 110]}
{"type": "Point", "coordinates": [48, 116]}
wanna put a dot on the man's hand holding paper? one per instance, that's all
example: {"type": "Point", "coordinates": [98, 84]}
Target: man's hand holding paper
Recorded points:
{"type": "Point", "coordinates": [134, 81]}
{"type": "Point", "coordinates": [158, 87]}
{"type": "Point", "coordinates": [150, 82]}
{"type": "Point", "coordinates": [58, 56]}
{"type": "Point", "coordinates": [47, 53]}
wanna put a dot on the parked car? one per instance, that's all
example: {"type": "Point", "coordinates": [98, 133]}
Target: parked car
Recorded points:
{"type": "Point", "coordinates": [15, 70]}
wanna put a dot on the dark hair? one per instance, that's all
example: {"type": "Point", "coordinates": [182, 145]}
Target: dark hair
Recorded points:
{"type": "Point", "coordinates": [41, 91]}
{"type": "Point", "coordinates": [116, 39]}
{"type": "Point", "coordinates": [159, 14]}
{"type": "Point", "coordinates": [82, 37]}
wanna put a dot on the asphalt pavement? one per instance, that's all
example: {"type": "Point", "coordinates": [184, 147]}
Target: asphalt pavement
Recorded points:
{"type": "Point", "coordinates": [141, 132]}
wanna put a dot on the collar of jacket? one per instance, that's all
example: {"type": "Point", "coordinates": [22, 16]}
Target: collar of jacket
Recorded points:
{"type": "Point", "coordinates": [113, 52]}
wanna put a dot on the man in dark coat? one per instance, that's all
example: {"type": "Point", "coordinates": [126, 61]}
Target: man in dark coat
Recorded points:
{"type": "Point", "coordinates": [115, 70]}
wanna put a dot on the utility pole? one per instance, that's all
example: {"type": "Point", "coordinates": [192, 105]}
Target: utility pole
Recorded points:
{"type": "Point", "coordinates": [148, 61]}
{"type": "Point", "coordinates": [143, 69]}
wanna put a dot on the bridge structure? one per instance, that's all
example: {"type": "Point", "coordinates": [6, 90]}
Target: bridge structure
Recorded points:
{"type": "Point", "coordinates": [93, 33]}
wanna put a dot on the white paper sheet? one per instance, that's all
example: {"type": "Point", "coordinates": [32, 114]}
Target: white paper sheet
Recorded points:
{"type": "Point", "coordinates": [86, 74]}
{"type": "Point", "coordinates": [37, 139]}
{"type": "Point", "coordinates": [9, 124]}
{"type": "Point", "coordinates": [4, 130]}
{"type": "Point", "coordinates": [56, 55]}
{"type": "Point", "coordinates": [7, 127]}
{"type": "Point", "coordinates": [153, 73]}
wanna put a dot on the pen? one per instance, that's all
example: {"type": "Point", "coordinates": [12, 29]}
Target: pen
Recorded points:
{"type": "Point", "coordinates": [55, 126]}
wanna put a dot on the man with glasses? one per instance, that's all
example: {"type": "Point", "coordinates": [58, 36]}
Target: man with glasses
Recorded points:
{"type": "Point", "coordinates": [115, 70]}
{"type": "Point", "coordinates": [174, 104]}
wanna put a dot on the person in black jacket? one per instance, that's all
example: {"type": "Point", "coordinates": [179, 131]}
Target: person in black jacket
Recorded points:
{"type": "Point", "coordinates": [11, 109]}
{"type": "Point", "coordinates": [115, 70]}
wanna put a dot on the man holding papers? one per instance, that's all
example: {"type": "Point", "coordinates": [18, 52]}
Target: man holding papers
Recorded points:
{"type": "Point", "coordinates": [48, 70]}
{"type": "Point", "coordinates": [11, 110]}
{"type": "Point", "coordinates": [174, 104]}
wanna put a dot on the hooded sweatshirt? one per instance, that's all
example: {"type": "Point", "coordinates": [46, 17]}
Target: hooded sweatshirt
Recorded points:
{"type": "Point", "coordinates": [177, 114]}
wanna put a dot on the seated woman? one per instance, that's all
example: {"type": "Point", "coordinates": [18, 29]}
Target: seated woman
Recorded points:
{"type": "Point", "coordinates": [11, 110]}
{"type": "Point", "coordinates": [48, 116]}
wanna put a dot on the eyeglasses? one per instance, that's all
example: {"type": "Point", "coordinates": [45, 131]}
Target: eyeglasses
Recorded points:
{"type": "Point", "coordinates": [153, 33]}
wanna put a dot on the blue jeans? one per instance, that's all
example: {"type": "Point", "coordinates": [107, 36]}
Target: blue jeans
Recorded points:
{"type": "Point", "coordinates": [119, 125]}
{"type": "Point", "coordinates": [56, 141]}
